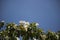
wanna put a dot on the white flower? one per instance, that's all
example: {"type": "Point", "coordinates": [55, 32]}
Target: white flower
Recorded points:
{"type": "Point", "coordinates": [34, 38]}
{"type": "Point", "coordinates": [37, 24]}
{"type": "Point", "coordinates": [2, 21]}
{"type": "Point", "coordinates": [17, 38]}
{"type": "Point", "coordinates": [22, 22]}
{"type": "Point", "coordinates": [8, 31]}
{"type": "Point", "coordinates": [26, 29]}
{"type": "Point", "coordinates": [27, 23]}
{"type": "Point", "coordinates": [53, 33]}
{"type": "Point", "coordinates": [15, 26]}
{"type": "Point", "coordinates": [8, 26]}
{"type": "Point", "coordinates": [7, 37]}
{"type": "Point", "coordinates": [43, 37]}
{"type": "Point", "coordinates": [57, 36]}
{"type": "Point", "coordinates": [26, 26]}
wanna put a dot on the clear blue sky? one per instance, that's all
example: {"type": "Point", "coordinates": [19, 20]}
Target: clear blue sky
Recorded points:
{"type": "Point", "coordinates": [45, 12]}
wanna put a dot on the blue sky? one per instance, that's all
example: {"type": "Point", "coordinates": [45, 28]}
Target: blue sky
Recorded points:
{"type": "Point", "coordinates": [45, 12]}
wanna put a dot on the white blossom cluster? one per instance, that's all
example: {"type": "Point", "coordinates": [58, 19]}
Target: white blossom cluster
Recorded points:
{"type": "Point", "coordinates": [22, 29]}
{"type": "Point", "coordinates": [26, 24]}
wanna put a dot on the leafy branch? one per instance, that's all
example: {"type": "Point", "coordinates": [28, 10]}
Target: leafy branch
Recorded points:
{"type": "Point", "coordinates": [28, 31]}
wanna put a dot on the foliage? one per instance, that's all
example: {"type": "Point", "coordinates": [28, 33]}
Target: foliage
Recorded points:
{"type": "Point", "coordinates": [28, 31]}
